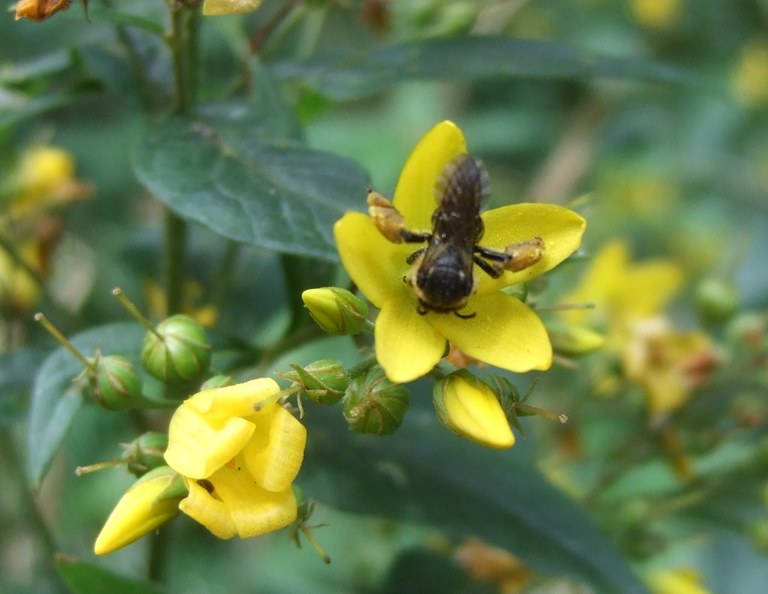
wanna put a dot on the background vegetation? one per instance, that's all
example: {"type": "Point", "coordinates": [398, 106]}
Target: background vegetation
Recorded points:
{"type": "Point", "coordinates": [647, 116]}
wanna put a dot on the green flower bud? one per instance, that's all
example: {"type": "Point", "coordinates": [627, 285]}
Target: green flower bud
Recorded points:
{"type": "Point", "coordinates": [323, 381]}
{"type": "Point", "coordinates": [574, 341]}
{"type": "Point", "coordinates": [374, 404]}
{"type": "Point", "coordinates": [177, 351]}
{"type": "Point", "coordinates": [145, 452]}
{"type": "Point", "coordinates": [337, 311]}
{"type": "Point", "coordinates": [217, 381]}
{"type": "Point", "coordinates": [115, 383]}
{"type": "Point", "coordinates": [716, 300]}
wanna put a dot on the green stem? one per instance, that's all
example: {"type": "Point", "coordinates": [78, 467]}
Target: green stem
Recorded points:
{"type": "Point", "coordinates": [14, 474]}
{"type": "Point", "coordinates": [175, 260]}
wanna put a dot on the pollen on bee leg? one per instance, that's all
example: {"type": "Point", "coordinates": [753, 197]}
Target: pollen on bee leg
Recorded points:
{"type": "Point", "coordinates": [386, 217]}
{"type": "Point", "coordinates": [524, 254]}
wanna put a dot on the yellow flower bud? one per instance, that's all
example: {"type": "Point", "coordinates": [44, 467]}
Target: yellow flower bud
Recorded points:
{"type": "Point", "coordinates": [38, 10]}
{"type": "Point", "coordinates": [148, 503]}
{"type": "Point", "coordinates": [468, 407]}
{"type": "Point", "coordinates": [221, 7]}
{"type": "Point", "coordinates": [337, 311]}
{"type": "Point", "coordinates": [676, 581]}
{"type": "Point", "coordinates": [575, 340]}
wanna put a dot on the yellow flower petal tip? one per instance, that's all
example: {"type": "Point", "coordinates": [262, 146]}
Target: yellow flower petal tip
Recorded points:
{"type": "Point", "coordinates": [448, 295]}
{"type": "Point", "coordinates": [468, 407]}
{"type": "Point", "coordinates": [239, 451]}
{"type": "Point", "coordinates": [148, 503]}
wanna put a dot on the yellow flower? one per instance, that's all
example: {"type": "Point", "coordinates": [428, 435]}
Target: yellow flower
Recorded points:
{"type": "Point", "coordinates": [622, 292]}
{"type": "Point", "coordinates": [668, 363]}
{"type": "Point", "coordinates": [221, 7]}
{"type": "Point", "coordinates": [148, 503]}
{"type": "Point", "coordinates": [655, 13]}
{"type": "Point", "coordinates": [19, 290]}
{"type": "Point", "coordinates": [676, 581]}
{"type": "Point", "coordinates": [504, 331]}
{"type": "Point", "coordinates": [239, 451]}
{"type": "Point", "coordinates": [750, 75]}
{"type": "Point", "coordinates": [468, 407]}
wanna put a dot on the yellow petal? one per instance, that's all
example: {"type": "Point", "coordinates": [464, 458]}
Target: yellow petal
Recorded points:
{"type": "Point", "coordinates": [645, 289]}
{"type": "Point", "coordinates": [274, 454]}
{"type": "Point", "coordinates": [407, 346]}
{"type": "Point", "coordinates": [471, 409]}
{"type": "Point", "coordinates": [375, 265]}
{"type": "Point", "coordinates": [208, 510]}
{"type": "Point", "coordinates": [140, 510]}
{"type": "Point", "coordinates": [560, 228]}
{"type": "Point", "coordinates": [414, 196]}
{"type": "Point", "coordinates": [233, 401]}
{"type": "Point", "coordinates": [198, 446]}
{"type": "Point", "coordinates": [253, 510]}
{"type": "Point", "coordinates": [504, 332]}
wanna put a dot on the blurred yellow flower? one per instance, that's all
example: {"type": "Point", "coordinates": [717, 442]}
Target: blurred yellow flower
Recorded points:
{"type": "Point", "coordinates": [37, 10]}
{"type": "Point", "coordinates": [19, 290]}
{"type": "Point", "coordinates": [45, 178]}
{"type": "Point", "coordinates": [676, 581]}
{"type": "Point", "coordinates": [468, 407]}
{"type": "Point", "coordinates": [148, 503]}
{"type": "Point", "coordinates": [668, 363]}
{"type": "Point", "coordinates": [749, 80]}
{"type": "Point", "coordinates": [239, 451]}
{"type": "Point", "coordinates": [504, 331]}
{"type": "Point", "coordinates": [622, 293]}
{"type": "Point", "coordinates": [222, 7]}
{"type": "Point", "coordinates": [655, 14]}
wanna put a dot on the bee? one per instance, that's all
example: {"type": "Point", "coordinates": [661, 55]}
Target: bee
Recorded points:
{"type": "Point", "coordinates": [442, 273]}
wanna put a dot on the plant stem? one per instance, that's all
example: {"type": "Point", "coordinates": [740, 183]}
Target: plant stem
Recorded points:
{"type": "Point", "coordinates": [175, 260]}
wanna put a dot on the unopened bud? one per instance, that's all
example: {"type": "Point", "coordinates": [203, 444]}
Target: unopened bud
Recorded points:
{"type": "Point", "coordinates": [469, 408]}
{"type": "Point", "coordinates": [716, 300]}
{"type": "Point", "coordinates": [337, 311]}
{"type": "Point", "coordinates": [149, 502]}
{"type": "Point", "coordinates": [145, 453]}
{"type": "Point", "coordinates": [177, 350]}
{"type": "Point", "coordinates": [374, 404]}
{"type": "Point", "coordinates": [115, 383]}
{"type": "Point", "coordinates": [574, 341]}
{"type": "Point", "coordinates": [323, 381]}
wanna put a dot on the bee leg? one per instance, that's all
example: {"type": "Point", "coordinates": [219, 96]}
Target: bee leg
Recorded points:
{"type": "Point", "coordinates": [415, 256]}
{"type": "Point", "coordinates": [524, 254]}
{"type": "Point", "coordinates": [465, 316]}
{"type": "Point", "coordinates": [390, 222]}
{"type": "Point", "coordinates": [494, 270]}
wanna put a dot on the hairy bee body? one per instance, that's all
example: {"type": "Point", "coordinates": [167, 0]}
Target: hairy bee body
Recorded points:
{"type": "Point", "coordinates": [442, 272]}
{"type": "Point", "coordinates": [442, 277]}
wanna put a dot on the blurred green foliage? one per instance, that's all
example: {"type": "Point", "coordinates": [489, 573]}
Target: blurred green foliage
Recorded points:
{"type": "Point", "coordinates": [650, 117]}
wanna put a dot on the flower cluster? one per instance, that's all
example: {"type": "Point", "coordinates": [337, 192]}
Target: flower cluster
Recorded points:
{"type": "Point", "coordinates": [233, 453]}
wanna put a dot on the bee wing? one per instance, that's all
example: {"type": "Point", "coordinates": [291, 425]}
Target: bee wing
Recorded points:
{"type": "Point", "coordinates": [462, 184]}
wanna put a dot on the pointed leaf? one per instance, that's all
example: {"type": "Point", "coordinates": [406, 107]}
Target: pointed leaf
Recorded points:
{"type": "Point", "coordinates": [426, 474]}
{"type": "Point", "coordinates": [56, 399]}
{"type": "Point", "coordinates": [233, 170]}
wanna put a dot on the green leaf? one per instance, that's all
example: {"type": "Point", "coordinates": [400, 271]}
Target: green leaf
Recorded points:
{"type": "Point", "coordinates": [16, 372]}
{"type": "Point", "coordinates": [425, 474]}
{"type": "Point", "coordinates": [344, 76]}
{"type": "Point", "coordinates": [56, 399]}
{"type": "Point", "coordinates": [235, 170]}
{"type": "Point", "coordinates": [87, 578]}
